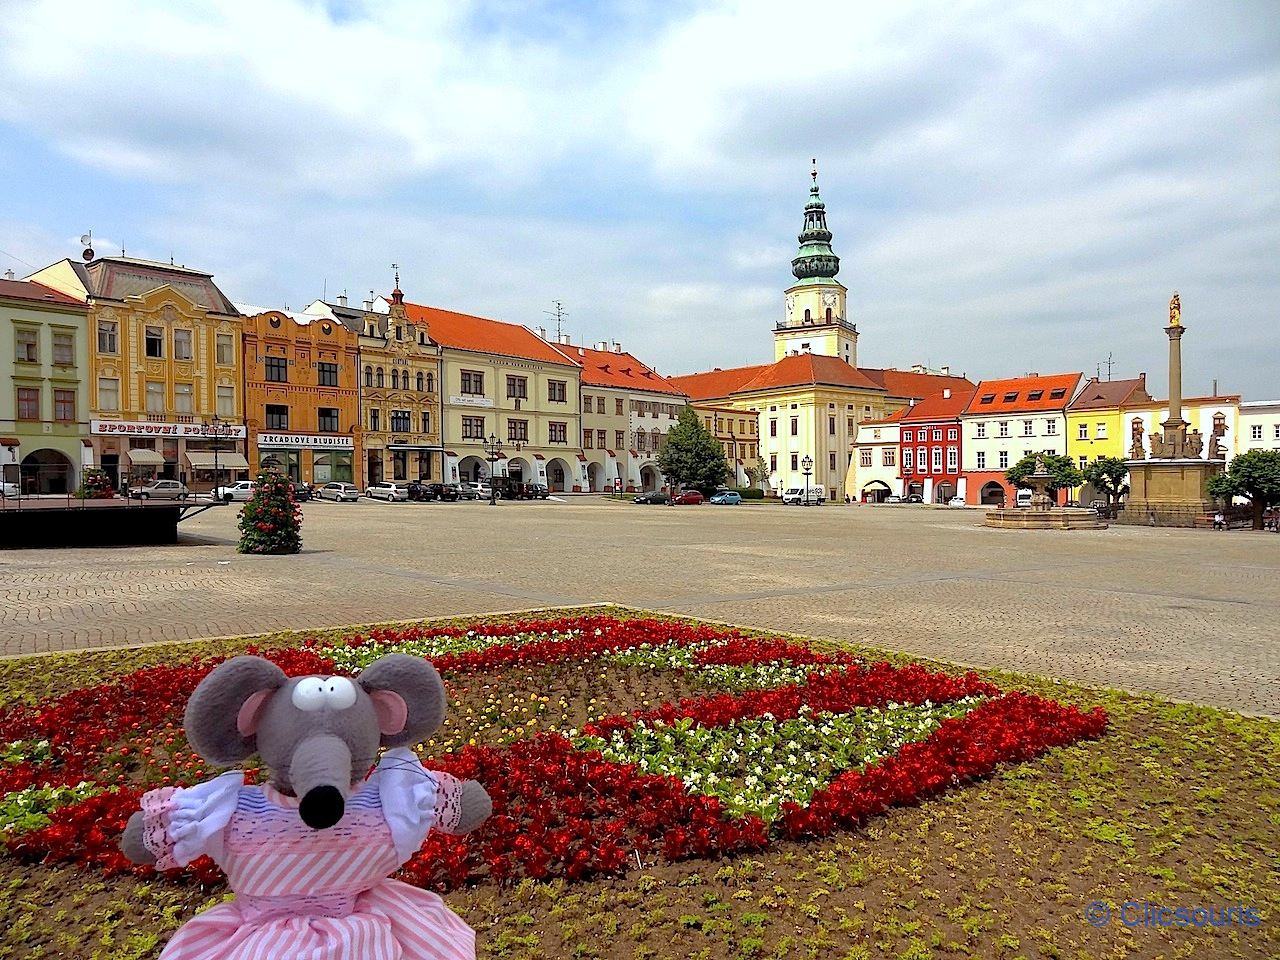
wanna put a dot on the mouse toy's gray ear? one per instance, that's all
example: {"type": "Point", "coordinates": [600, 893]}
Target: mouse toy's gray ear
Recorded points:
{"type": "Point", "coordinates": [407, 694]}
{"type": "Point", "coordinates": [222, 715]}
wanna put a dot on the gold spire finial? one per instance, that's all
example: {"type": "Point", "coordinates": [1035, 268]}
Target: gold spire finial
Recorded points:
{"type": "Point", "coordinates": [1175, 311]}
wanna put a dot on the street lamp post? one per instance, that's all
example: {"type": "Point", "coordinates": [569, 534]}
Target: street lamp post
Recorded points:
{"type": "Point", "coordinates": [214, 428]}
{"type": "Point", "coordinates": [807, 466]}
{"type": "Point", "coordinates": [493, 447]}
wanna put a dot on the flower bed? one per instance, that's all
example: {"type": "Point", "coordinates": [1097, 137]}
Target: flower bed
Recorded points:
{"type": "Point", "coordinates": [753, 741]}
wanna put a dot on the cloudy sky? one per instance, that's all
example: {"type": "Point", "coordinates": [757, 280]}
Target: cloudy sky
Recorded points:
{"type": "Point", "coordinates": [1012, 186]}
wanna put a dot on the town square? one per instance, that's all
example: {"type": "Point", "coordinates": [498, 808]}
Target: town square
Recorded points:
{"type": "Point", "coordinates": [710, 480]}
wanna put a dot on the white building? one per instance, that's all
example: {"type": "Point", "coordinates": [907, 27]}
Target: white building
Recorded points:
{"type": "Point", "coordinates": [1258, 426]}
{"type": "Point", "coordinates": [875, 468]}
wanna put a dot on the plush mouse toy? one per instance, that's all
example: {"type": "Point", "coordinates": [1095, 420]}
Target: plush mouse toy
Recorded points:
{"type": "Point", "coordinates": [309, 853]}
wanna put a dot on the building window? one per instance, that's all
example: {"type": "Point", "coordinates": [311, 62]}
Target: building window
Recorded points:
{"type": "Point", "coordinates": [375, 419]}
{"type": "Point", "coordinates": [328, 374]}
{"type": "Point", "coordinates": [601, 437]}
{"type": "Point", "coordinates": [108, 394]}
{"type": "Point", "coordinates": [518, 430]}
{"type": "Point", "coordinates": [952, 434]}
{"type": "Point", "coordinates": [277, 369]}
{"type": "Point", "coordinates": [831, 426]}
{"type": "Point", "coordinates": [795, 462]}
{"type": "Point", "coordinates": [1082, 432]}
{"type": "Point", "coordinates": [1004, 459]}
{"type": "Point", "coordinates": [773, 428]}
{"type": "Point", "coordinates": [182, 344]}
{"type": "Point", "coordinates": [27, 349]}
{"type": "Point", "coordinates": [557, 391]}
{"type": "Point", "coordinates": [642, 440]}
{"type": "Point", "coordinates": [473, 428]}
{"type": "Point", "coordinates": [28, 403]}
{"type": "Point", "coordinates": [1051, 427]}
{"type": "Point", "coordinates": [473, 383]}
{"type": "Point", "coordinates": [557, 432]}
{"type": "Point", "coordinates": [431, 383]}
{"type": "Point", "coordinates": [64, 349]}
{"type": "Point", "coordinates": [226, 401]}
{"type": "Point", "coordinates": [1084, 462]}
{"type": "Point", "coordinates": [795, 426]}
{"type": "Point", "coordinates": [1026, 453]}
{"type": "Point", "coordinates": [378, 378]}
{"type": "Point", "coordinates": [586, 403]}
{"type": "Point", "coordinates": [155, 397]}
{"type": "Point", "coordinates": [1004, 428]}
{"type": "Point", "coordinates": [1028, 428]}
{"type": "Point", "coordinates": [889, 457]}
{"type": "Point", "coordinates": [154, 341]}
{"type": "Point", "coordinates": [277, 416]}
{"type": "Point", "coordinates": [980, 429]}
{"type": "Point", "coordinates": [420, 382]}
{"type": "Point", "coordinates": [182, 398]}
{"type": "Point", "coordinates": [599, 404]}
{"type": "Point", "coordinates": [368, 376]}
{"type": "Point", "coordinates": [953, 459]}
{"type": "Point", "coordinates": [426, 422]}
{"type": "Point", "coordinates": [773, 463]}
{"type": "Point", "coordinates": [327, 419]}
{"type": "Point", "coordinates": [226, 350]}
{"type": "Point", "coordinates": [108, 337]}
{"type": "Point", "coordinates": [1276, 431]}
{"type": "Point", "coordinates": [1255, 431]}
{"type": "Point", "coordinates": [1101, 432]}
{"type": "Point", "coordinates": [617, 407]}
{"type": "Point", "coordinates": [395, 379]}
{"type": "Point", "coordinates": [922, 459]}
{"type": "Point", "coordinates": [517, 388]}
{"type": "Point", "coordinates": [64, 406]}
{"type": "Point", "coordinates": [982, 459]}
{"type": "Point", "coordinates": [937, 433]}
{"type": "Point", "coordinates": [832, 457]}
{"type": "Point", "coordinates": [587, 437]}
{"type": "Point", "coordinates": [401, 421]}
{"type": "Point", "coordinates": [937, 459]}
{"type": "Point", "coordinates": [864, 458]}
{"type": "Point", "coordinates": [908, 460]}
{"type": "Point", "coordinates": [399, 332]}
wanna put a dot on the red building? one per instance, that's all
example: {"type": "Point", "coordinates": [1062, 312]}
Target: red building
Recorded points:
{"type": "Point", "coordinates": [930, 444]}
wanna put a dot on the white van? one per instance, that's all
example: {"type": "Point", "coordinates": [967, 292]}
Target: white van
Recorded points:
{"type": "Point", "coordinates": [1022, 498]}
{"type": "Point", "coordinates": [796, 495]}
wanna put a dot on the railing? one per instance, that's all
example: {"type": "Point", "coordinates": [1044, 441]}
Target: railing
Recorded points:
{"type": "Point", "coordinates": [44, 487]}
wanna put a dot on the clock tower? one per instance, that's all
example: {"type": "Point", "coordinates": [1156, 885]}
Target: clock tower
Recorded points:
{"type": "Point", "coordinates": [815, 320]}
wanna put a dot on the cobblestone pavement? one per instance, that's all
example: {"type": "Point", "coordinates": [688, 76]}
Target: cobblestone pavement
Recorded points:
{"type": "Point", "coordinates": [1187, 614]}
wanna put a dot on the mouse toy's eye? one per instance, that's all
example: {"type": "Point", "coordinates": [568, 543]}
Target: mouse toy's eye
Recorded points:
{"type": "Point", "coordinates": [310, 693]}
{"type": "Point", "coordinates": [339, 692]}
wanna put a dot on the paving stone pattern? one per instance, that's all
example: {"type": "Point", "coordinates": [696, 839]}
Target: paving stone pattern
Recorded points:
{"type": "Point", "coordinates": [1187, 614]}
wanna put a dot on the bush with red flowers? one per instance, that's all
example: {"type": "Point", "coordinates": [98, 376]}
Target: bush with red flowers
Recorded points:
{"type": "Point", "coordinates": [271, 521]}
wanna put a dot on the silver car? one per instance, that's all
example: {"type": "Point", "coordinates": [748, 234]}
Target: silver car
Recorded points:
{"type": "Point", "coordinates": [240, 490]}
{"type": "Point", "coordinates": [386, 490]}
{"type": "Point", "coordinates": [160, 490]}
{"type": "Point", "coordinates": [340, 491]}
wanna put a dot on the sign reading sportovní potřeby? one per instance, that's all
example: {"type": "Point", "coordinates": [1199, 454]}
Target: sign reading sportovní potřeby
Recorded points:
{"type": "Point", "coordinates": [146, 428]}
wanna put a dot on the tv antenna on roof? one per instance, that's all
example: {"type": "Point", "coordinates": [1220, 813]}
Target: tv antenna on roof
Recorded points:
{"type": "Point", "coordinates": [559, 313]}
{"type": "Point", "coordinates": [87, 242]}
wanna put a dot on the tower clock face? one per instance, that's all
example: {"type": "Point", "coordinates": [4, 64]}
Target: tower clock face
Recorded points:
{"type": "Point", "coordinates": [829, 299]}
{"type": "Point", "coordinates": [791, 305]}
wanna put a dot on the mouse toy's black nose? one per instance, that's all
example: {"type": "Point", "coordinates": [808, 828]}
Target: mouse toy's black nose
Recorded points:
{"type": "Point", "coordinates": [322, 807]}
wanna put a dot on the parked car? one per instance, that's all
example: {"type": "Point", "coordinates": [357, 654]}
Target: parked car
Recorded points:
{"type": "Point", "coordinates": [301, 491]}
{"type": "Point", "coordinates": [797, 495]}
{"type": "Point", "coordinates": [688, 497]}
{"type": "Point", "coordinates": [443, 491]}
{"type": "Point", "coordinates": [482, 489]}
{"type": "Point", "coordinates": [419, 492]}
{"type": "Point", "coordinates": [957, 502]}
{"type": "Point", "coordinates": [892, 498]}
{"type": "Point", "coordinates": [240, 490]}
{"type": "Point", "coordinates": [536, 491]}
{"type": "Point", "coordinates": [653, 496]}
{"type": "Point", "coordinates": [160, 490]}
{"type": "Point", "coordinates": [8, 489]}
{"type": "Point", "coordinates": [726, 498]}
{"type": "Point", "coordinates": [387, 490]}
{"type": "Point", "coordinates": [468, 492]}
{"type": "Point", "coordinates": [340, 491]}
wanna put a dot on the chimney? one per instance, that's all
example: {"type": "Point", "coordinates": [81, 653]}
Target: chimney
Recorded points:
{"type": "Point", "coordinates": [1215, 386]}
{"type": "Point", "coordinates": [946, 393]}
{"type": "Point", "coordinates": [946, 370]}
{"type": "Point", "coordinates": [342, 299]}
{"type": "Point", "coordinates": [542, 333]}
{"type": "Point", "coordinates": [617, 347]}
{"type": "Point", "coordinates": [602, 345]}
{"type": "Point", "coordinates": [566, 339]}
{"type": "Point", "coordinates": [8, 274]}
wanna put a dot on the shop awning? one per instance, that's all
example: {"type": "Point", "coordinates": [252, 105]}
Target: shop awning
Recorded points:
{"type": "Point", "coordinates": [413, 446]}
{"type": "Point", "coordinates": [10, 442]}
{"type": "Point", "coordinates": [146, 458]}
{"type": "Point", "coordinates": [204, 460]}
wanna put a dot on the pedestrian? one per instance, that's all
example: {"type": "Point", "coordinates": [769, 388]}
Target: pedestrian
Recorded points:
{"type": "Point", "coordinates": [1219, 521]}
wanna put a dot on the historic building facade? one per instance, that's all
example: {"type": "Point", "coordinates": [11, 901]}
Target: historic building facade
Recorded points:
{"type": "Point", "coordinates": [1259, 426]}
{"type": "Point", "coordinates": [44, 415]}
{"type": "Point", "coordinates": [627, 410]}
{"type": "Point", "coordinates": [875, 471]}
{"type": "Point", "coordinates": [165, 376]}
{"type": "Point", "coordinates": [301, 397]}
{"type": "Point", "coordinates": [1008, 419]}
{"type": "Point", "coordinates": [932, 447]}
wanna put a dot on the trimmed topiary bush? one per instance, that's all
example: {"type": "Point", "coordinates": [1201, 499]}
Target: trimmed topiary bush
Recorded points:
{"type": "Point", "coordinates": [749, 493]}
{"type": "Point", "coordinates": [95, 484]}
{"type": "Point", "coordinates": [271, 521]}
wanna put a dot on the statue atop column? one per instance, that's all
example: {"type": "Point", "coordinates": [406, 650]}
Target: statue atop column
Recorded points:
{"type": "Point", "coordinates": [1175, 310]}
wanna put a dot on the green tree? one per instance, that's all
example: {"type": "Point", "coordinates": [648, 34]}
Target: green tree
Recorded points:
{"type": "Point", "coordinates": [1108, 474]}
{"type": "Point", "coordinates": [271, 521]}
{"type": "Point", "coordinates": [758, 472]}
{"type": "Point", "coordinates": [1064, 472]}
{"type": "Point", "coordinates": [693, 458]}
{"type": "Point", "coordinates": [1254, 475]}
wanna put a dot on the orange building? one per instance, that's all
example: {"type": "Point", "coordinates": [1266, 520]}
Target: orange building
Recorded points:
{"type": "Point", "coordinates": [301, 395]}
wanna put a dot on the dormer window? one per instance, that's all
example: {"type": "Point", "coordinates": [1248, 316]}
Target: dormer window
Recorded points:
{"type": "Point", "coordinates": [1057, 394]}
{"type": "Point", "coordinates": [988, 398]}
{"type": "Point", "coordinates": [1035, 394]}
{"type": "Point", "coordinates": [1011, 396]}
{"type": "Point", "coordinates": [372, 331]}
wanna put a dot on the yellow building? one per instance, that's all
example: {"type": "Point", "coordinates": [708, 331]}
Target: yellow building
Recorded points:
{"type": "Point", "coordinates": [164, 351]}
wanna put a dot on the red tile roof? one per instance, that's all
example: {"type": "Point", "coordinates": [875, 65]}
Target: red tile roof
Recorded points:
{"type": "Point", "coordinates": [607, 368]}
{"type": "Point", "coordinates": [914, 386]}
{"type": "Point", "coordinates": [1103, 394]}
{"type": "Point", "coordinates": [896, 417]}
{"type": "Point", "coordinates": [715, 384]}
{"type": "Point", "coordinates": [28, 290]}
{"type": "Point", "coordinates": [1052, 392]}
{"type": "Point", "coordinates": [462, 331]}
{"type": "Point", "coordinates": [940, 406]}
{"type": "Point", "coordinates": [808, 369]}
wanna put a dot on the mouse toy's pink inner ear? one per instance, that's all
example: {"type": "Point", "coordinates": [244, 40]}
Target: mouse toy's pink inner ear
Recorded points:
{"type": "Point", "coordinates": [251, 712]}
{"type": "Point", "coordinates": [391, 709]}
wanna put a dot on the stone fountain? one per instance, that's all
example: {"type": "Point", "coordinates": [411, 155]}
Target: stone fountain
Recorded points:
{"type": "Point", "coordinates": [1042, 514]}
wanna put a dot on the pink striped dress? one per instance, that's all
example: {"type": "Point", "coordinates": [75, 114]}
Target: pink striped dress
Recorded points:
{"type": "Point", "coordinates": [304, 894]}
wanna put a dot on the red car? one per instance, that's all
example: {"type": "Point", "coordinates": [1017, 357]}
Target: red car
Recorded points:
{"type": "Point", "coordinates": [689, 496]}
